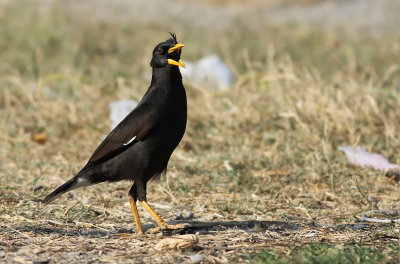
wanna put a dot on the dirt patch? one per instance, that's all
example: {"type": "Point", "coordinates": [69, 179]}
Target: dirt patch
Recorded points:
{"type": "Point", "coordinates": [218, 241]}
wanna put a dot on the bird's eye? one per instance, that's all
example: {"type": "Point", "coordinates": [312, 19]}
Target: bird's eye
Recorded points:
{"type": "Point", "coordinates": [160, 50]}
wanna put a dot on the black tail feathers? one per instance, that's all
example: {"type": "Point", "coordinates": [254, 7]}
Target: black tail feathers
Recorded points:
{"type": "Point", "coordinates": [72, 184]}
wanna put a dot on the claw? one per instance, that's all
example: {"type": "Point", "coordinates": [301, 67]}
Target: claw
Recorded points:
{"type": "Point", "coordinates": [154, 230]}
{"type": "Point", "coordinates": [166, 226]}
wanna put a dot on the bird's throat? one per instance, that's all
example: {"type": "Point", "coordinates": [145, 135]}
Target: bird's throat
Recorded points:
{"type": "Point", "coordinates": [167, 74]}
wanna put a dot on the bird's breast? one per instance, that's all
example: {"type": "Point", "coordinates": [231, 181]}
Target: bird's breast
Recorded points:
{"type": "Point", "coordinates": [171, 111]}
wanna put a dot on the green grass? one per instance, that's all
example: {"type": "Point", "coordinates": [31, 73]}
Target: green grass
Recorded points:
{"type": "Point", "coordinates": [331, 254]}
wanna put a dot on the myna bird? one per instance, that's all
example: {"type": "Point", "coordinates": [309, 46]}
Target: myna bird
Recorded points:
{"type": "Point", "coordinates": [139, 148]}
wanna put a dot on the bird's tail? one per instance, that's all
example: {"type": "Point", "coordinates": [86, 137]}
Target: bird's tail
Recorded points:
{"type": "Point", "coordinates": [74, 183]}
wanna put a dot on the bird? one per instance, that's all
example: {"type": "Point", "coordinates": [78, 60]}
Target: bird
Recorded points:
{"type": "Point", "coordinates": [138, 149]}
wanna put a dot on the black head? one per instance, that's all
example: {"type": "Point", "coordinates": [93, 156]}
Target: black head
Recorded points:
{"type": "Point", "coordinates": [167, 52]}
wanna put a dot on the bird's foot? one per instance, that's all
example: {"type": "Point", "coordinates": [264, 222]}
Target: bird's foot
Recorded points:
{"type": "Point", "coordinates": [166, 226]}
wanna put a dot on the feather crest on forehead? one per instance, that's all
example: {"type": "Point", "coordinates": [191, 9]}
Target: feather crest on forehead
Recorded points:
{"type": "Point", "coordinates": [173, 37]}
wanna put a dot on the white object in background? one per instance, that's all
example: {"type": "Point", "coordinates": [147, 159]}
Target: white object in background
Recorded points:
{"type": "Point", "coordinates": [187, 72]}
{"type": "Point", "coordinates": [360, 157]}
{"type": "Point", "coordinates": [119, 110]}
{"type": "Point", "coordinates": [211, 72]}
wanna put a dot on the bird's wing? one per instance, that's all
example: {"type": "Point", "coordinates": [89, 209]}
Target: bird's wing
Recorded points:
{"type": "Point", "coordinates": [133, 128]}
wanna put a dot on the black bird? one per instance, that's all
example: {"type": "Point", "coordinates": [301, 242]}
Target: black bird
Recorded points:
{"type": "Point", "coordinates": [139, 148]}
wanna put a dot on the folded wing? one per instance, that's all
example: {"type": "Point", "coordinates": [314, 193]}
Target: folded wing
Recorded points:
{"type": "Point", "coordinates": [132, 129]}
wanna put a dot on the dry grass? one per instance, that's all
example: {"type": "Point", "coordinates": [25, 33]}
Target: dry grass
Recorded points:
{"type": "Point", "coordinates": [264, 153]}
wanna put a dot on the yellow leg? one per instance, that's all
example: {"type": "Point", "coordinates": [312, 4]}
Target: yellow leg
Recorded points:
{"type": "Point", "coordinates": [136, 216]}
{"type": "Point", "coordinates": [158, 219]}
{"type": "Point", "coordinates": [161, 224]}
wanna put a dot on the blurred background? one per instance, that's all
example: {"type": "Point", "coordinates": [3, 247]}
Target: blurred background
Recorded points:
{"type": "Point", "coordinates": [300, 78]}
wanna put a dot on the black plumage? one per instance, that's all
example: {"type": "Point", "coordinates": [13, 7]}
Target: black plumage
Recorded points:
{"type": "Point", "coordinates": [139, 148]}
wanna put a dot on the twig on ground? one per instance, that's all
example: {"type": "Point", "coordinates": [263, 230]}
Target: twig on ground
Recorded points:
{"type": "Point", "coordinates": [376, 220]}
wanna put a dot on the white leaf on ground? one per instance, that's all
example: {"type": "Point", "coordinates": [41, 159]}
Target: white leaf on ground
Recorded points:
{"type": "Point", "coordinates": [360, 157]}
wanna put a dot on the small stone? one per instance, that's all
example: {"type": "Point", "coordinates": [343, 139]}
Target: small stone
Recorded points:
{"type": "Point", "coordinates": [185, 215]}
{"type": "Point", "coordinates": [37, 188]}
{"type": "Point", "coordinates": [197, 258]}
{"type": "Point", "coordinates": [189, 215]}
{"type": "Point", "coordinates": [359, 226]}
{"type": "Point", "coordinates": [179, 216]}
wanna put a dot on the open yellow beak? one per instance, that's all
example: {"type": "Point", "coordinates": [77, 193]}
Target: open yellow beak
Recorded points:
{"type": "Point", "coordinates": [178, 46]}
{"type": "Point", "coordinates": [179, 63]}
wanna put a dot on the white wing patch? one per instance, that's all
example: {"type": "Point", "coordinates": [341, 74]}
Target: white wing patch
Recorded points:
{"type": "Point", "coordinates": [132, 139]}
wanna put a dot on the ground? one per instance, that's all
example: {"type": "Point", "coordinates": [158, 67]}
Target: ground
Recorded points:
{"type": "Point", "coordinates": [258, 174]}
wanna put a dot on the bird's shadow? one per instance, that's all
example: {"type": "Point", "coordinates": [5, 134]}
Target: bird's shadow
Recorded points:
{"type": "Point", "coordinates": [202, 227]}
{"type": "Point", "coordinates": [191, 227]}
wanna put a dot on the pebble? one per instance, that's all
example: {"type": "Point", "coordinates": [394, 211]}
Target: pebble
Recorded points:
{"type": "Point", "coordinates": [359, 226]}
{"type": "Point", "coordinates": [185, 215]}
{"type": "Point", "coordinates": [197, 258]}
